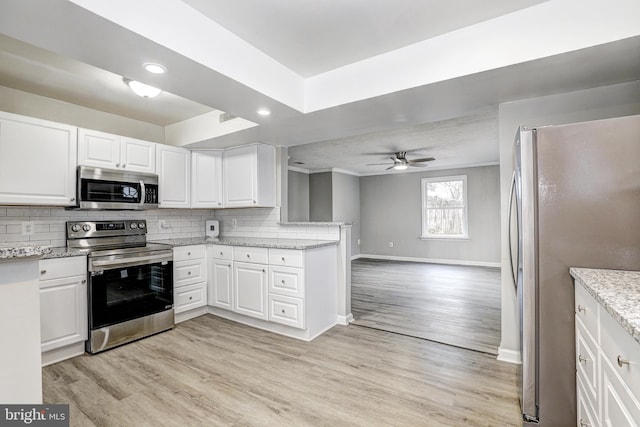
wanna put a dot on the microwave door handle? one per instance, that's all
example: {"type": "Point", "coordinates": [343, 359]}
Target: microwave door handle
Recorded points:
{"type": "Point", "coordinates": [143, 194]}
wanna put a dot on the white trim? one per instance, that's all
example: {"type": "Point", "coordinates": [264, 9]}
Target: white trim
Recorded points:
{"type": "Point", "coordinates": [465, 206]}
{"type": "Point", "coordinates": [509, 356]}
{"type": "Point", "coordinates": [338, 170]}
{"type": "Point", "coordinates": [431, 168]}
{"type": "Point", "coordinates": [432, 260]}
{"type": "Point", "coordinates": [298, 169]}
{"type": "Point", "coordinates": [191, 314]}
{"type": "Point", "coordinates": [345, 320]}
{"type": "Point", "coordinates": [59, 354]}
{"type": "Point", "coordinates": [354, 257]}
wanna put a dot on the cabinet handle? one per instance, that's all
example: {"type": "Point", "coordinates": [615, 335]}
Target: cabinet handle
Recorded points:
{"type": "Point", "coordinates": [622, 361]}
{"type": "Point", "coordinates": [84, 281]}
{"type": "Point", "coordinates": [73, 199]}
{"type": "Point", "coordinates": [582, 308]}
{"type": "Point", "coordinates": [43, 271]}
{"type": "Point", "coordinates": [582, 359]}
{"type": "Point", "coordinates": [583, 423]}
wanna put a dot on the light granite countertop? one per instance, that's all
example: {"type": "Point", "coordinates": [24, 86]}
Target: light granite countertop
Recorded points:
{"type": "Point", "coordinates": [19, 253]}
{"type": "Point", "coordinates": [251, 241]}
{"type": "Point", "coordinates": [617, 291]}
{"type": "Point", "coordinates": [64, 252]}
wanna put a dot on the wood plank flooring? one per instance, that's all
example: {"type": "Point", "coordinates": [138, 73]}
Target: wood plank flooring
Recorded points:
{"type": "Point", "coordinates": [451, 304]}
{"type": "Point", "coordinates": [212, 372]}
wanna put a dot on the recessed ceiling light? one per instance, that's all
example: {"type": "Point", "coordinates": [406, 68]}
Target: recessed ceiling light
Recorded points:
{"type": "Point", "coordinates": [142, 89]}
{"type": "Point", "coordinates": [155, 68]}
{"type": "Point", "coordinates": [263, 111]}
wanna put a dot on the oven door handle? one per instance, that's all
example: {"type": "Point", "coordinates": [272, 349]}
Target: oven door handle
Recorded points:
{"type": "Point", "coordinates": [98, 265]}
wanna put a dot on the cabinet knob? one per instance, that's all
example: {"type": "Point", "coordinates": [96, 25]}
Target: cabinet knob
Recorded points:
{"type": "Point", "coordinates": [248, 256]}
{"type": "Point", "coordinates": [124, 165]}
{"type": "Point", "coordinates": [73, 199]}
{"type": "Point", "coordinates": [220, 253]}
{"type": "Point", "coordinates": [582, 359]}
{"type": "Point", "coordinates": [622, 361]}
{"type": "Point", "coordinates": [190, 298]}
{"type": "Point", "coordinates": [283, 281]}
{"type": "Point", "coordinates": [582, 308]}
{"type": "Point", "coordinates": [84, 281]}
{"type": "Point", "coordinates": [254, 202]}
{"type": "Point", "coordinates": [263, 270]}
{"type": "Point", "coordinates": [189, 273]}
{"type": "Point", "coordinates": [283, 259]}
{"type": "Point", "coordinates": [188, 253]}
{"type": "Point", "coordinates": [43, 271]}
{"type": "Point", "coordinates": [117, 165]}
{"type": "Point", "coordinates": [283, 311]}
{"type": "Point", "coordinates": [219, 204]}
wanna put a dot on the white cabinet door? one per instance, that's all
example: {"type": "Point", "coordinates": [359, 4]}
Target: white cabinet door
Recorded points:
{"type": "Point", "coordinates": [173, 167]}
{"type": "Point", "coordinates": [37, 161]}
{"type": "Point", "coordinates": [63, 312]}
{"type": "Point", "coordinates": [206, 179]}
{"type": "Point", "coordinates": [137, 155]}
{"type": "Point", "coordinates": [221, 284]}
{"type": "Point", "coordinates": [240, 180]}
{"type": "Point", "coordinates": [98, 149]}
{"type": "Point", "coordinates": [249, 176]}
{"type": "Point", "coordinates": [250, 296]}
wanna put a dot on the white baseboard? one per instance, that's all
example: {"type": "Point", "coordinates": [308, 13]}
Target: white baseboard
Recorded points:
{"type": "Point", "coordinates": [510, 356]}
{"type": "Point", "coordinates": [191, 314]}
{"type": "Point", "coordinates": [430, 260]}
{"type": "Point", "coordinates": [345, 320]}
{"type": "Point", "coordinates": [59, 354]}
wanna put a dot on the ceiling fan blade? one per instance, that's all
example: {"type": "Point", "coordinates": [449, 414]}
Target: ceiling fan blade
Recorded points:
{"type": "Point", "coordinates": [376, 164]}
{"type": "Point", "coordinates": [417, 165]}
{"type": "Point", "coordinates": [390, 167]}
{"type": "Point", "coordinates": [424, 159]}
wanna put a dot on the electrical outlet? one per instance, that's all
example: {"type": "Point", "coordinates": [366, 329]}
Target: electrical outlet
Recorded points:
{"type": "Point", "coordinates": [28, 228]}
{"type": "Point", "coordinates": [390, 244]}
{"type": "Point", "coordinates": [234, 224]}
{"type": "Point", "coordinates": [358, 242]}
{"type": "Point", "coordinates": [162, 224]}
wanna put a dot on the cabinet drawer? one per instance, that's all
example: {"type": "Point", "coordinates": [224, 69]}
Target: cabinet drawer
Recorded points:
{"type": "Point", "coordinates": [286, 257]}
{"type": "Point", "coordinates": [587, 361]}
{"type": "Point", "coordinates": [63, 267]}
{"type": "Point", "coordinates": [189, 297]}
{"type": "Point", "coordinates": [286, 281]}
{"type": "Point", "coordinates": [619, 407]}
{"type": "Point", "coordinates": [587, 310]}
{"type": "Point", "coordinates": [586, 412]}
{"type": "Point", "coordinates": [188, 272]}
{"type": "Point", "coordinates": [183, 253]}
{"type": "Point", "coordinates": [221, 252]}
{"type": "Point", "coordinates": [286, 310]}
{"type": "Point", "coordinates": [616, 342]}
{"type": "Point", "coordinates": [249, 254]}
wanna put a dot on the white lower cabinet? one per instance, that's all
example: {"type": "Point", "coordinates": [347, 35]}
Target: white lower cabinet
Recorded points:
{"type": "Point", "coordinates": [189, 281]}
{"type": "Point", "coordinates": [607, 367]}
{"type": "Point", "coordinates": [63, 308]}
{"type": "Point", "coordinates": [287, 291]}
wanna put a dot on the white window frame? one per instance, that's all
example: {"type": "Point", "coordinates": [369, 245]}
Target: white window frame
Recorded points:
{"type": "Point", "coordinates": [465, 210]}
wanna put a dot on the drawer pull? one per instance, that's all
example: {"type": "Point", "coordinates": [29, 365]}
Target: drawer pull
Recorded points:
{"type": "Point", "coordinates": [189, 273]}
{"type": "Point", "coordinates": [264, 271]}
{"type": "Point", "coordinates": [582, 359]}
{"type": "Point", "coordinates": [583, 423]}
{"type": "Point", "coordinates": [283, 281]}
{"type": "Point", "coordinates": [248, 256]}
{"type": "Point", "coordinates": [84, 281]}
{"type": "Point", "coordinates": [283, 311]}
{"type": "Point", "coordinates": [282, 259]}
{"type": "Point", "coordinates": [190, 298]}
{"type": "Point", "coordinates": [622, 361]}
{"type": "Point", "coordinates": [43, 271]}
{"type": "Point", "coordinates": [220, 252]}
{"type": "Point", "coordinates": [188, 253]}
{"type": "Point", "coordinates": [582, 308]}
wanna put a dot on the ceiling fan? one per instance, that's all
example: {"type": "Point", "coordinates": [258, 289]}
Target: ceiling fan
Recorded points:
{"type": "Point", "coordinates": [400, 161]}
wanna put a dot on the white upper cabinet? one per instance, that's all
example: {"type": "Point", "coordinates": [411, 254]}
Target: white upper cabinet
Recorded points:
{"type": "Point", "coordinates": [249, 176]}
{"type": "Point", "coordinates": [173, 167]}
{"type": "Point", "coordinates": [206, 179]}
{"type": "Point", "coordinates": [110, 151]}
{"type": "Point", "coordinates": [37, 161]}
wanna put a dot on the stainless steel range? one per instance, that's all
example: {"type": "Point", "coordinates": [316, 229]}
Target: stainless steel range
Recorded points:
{"type": "Point", "coordinates": [130, 281]}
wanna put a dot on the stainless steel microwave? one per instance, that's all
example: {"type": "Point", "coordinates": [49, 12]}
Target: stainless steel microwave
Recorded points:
{"type": "Point", "coordinates": [107, 189]}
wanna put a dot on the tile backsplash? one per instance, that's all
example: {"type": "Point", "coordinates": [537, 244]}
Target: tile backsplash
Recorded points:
{"type": "Point", "coordinates": [49, 224]}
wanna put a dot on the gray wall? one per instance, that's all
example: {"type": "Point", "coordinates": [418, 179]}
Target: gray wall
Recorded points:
{"type": "Point", "coordinates": [591, 104]}
{"type": "Point", "coordinates": [320, 197]}
{"type": "Point", "coordinates": [298, 196]}
{"type": "Point", "coordinates": [346, 205]}
{"type": "Point", "coordinates": [391, 211]}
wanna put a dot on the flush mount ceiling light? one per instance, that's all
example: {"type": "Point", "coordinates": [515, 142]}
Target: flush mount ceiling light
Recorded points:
{"type": "Point", "coordinates": [142, 89]}
{"type": "Point", "coordinates": [400, 166]}
{"type": "Point", "coordinates": [155, 68]}
{"type": "Point", "coordinates": [263, 111]}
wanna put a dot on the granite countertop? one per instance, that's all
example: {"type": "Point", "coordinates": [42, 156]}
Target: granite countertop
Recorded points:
{"type": "Point", "coordinates": [617, 291]}
{"type": "Point", "coordinates": [15, 254]}
{"type": "Point", "coordinates": [64, 252]}
{"type": "Point", "coordinates": [251, 241]}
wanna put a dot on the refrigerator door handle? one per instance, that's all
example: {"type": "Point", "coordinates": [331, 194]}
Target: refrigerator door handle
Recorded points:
{"type": "Point", "coordinates": [509, 216]}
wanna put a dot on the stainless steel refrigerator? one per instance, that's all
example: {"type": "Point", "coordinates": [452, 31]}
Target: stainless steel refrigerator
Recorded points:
{"type": "Point", "coordinates": [575, 202]}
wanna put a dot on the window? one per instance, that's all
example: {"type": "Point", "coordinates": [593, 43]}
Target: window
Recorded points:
{"type": "Point", "coordinates": [444, 207]}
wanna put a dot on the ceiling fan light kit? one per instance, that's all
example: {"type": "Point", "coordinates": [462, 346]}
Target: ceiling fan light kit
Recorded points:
{"type": "Point", "coordinates": [400, 162]}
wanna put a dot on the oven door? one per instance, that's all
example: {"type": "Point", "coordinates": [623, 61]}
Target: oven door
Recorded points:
{"type": "Point", "coordinates": [129, 288]}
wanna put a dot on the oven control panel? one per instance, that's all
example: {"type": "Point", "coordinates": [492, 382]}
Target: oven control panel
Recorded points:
{"type": "Point", "coordinates": [87, 229]}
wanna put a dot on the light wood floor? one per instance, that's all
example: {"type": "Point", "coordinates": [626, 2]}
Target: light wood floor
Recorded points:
{"type": "Point", "coordinates": [457, 305]}
{"type": "Point", "coordinates": [212, 372]}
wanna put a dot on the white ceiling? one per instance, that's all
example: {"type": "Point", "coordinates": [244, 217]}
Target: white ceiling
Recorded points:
{"type": "Point", "coordinates": [406, 69]}
{"type": "Point", "coordinates": [311, 37]}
